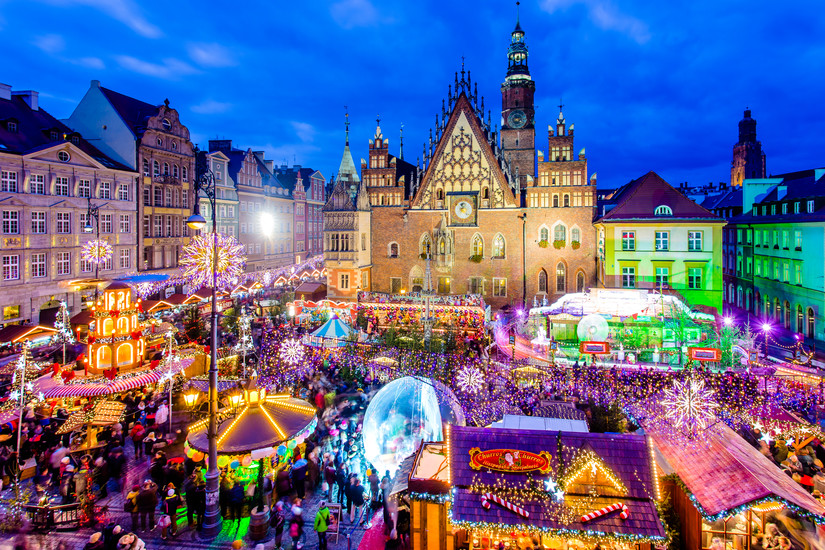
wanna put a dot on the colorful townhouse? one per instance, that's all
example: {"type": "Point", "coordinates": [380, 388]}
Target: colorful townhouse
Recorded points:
{"type": "Point", "coordinates": [650, 236]}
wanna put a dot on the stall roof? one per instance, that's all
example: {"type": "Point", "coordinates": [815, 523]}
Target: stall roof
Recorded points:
{"type": "Point", "coordinates": [724, 472]}
{"type": "Point", "coordinates": [626, 456]}
{"type": "Point", "coordinates": [542, 423]}
{"type": "Point", "coordinates": [176, 299]}
{"type": "Point", "coordinates": [83, 317]}
{"type": "Point", "coordinates": [19, 333]}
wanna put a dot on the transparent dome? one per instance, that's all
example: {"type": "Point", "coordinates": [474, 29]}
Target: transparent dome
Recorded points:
{"type": "Point", "coordinates": [403, 413]}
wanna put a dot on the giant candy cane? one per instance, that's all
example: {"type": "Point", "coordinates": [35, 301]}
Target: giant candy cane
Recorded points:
{"type": "Point", "coordinates": [606, 510]}
{"type": "Point", "coordinates": [487, 497]}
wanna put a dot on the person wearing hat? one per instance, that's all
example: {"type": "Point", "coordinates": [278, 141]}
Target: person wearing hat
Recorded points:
{"type": "Point", "coordinates": [149, 443]}
{"type": "Point", "coordinates": [278, 521]}
{"type": "Point", "coordinates": [67, 489]}
{"type": "Point", "coordinates": [171, 504]}
{"type": "Point", "coordinates": [322, 520]}
{"type": "Point", "coordinates": [147, 501]}
{"type": "Point", "coordinates": [95, 542]}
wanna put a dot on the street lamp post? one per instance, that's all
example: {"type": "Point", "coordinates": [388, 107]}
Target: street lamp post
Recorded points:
{"type": "Point", "coordinates": [205, 181]}
{"type": "Point", "coordinates": [93, 211]}
{"type": "Point", "coordinates": [523, 219]}
{"type": "Point", "coordinates": [766, 328]}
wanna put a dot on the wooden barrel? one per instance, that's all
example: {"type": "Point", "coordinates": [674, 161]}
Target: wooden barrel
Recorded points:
{"type": "Point", "coordinates": [258, 523]}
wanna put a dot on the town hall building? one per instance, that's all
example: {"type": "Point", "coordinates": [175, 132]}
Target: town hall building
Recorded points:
{"type": "Point", "coordinates": [494, 216]}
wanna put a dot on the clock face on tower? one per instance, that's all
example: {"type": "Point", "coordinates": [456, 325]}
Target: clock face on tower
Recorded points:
{"type": "Point", "coordinates": [463, 210]}
{"type": "Point", "coordinates": [517, 119]}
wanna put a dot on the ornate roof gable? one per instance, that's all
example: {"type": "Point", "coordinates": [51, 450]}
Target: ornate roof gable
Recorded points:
{"type": "Point", "coordinates": [464, 161]}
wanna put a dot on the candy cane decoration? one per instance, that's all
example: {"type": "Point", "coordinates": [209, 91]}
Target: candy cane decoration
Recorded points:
{"type": "Point", "coordinates": [606, 510]}
{"type": "Point", "coordinates": [487, 497]}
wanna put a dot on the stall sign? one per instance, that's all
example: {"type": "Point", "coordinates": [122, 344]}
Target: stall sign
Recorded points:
{"type": "Point", "coordinates": [705, 354]}
{"type": "Point", "coordinates": [509, 460]}
{"type": "Point", "coordinates": [222, 305]}
{"type": "Point", "coordinates": [594, 348]}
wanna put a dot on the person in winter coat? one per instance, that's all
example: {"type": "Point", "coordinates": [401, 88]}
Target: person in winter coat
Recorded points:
{"type": "Point", "coordinates": [329, 478]}
{"type": "Point", "coordinates": [67, 489]}
{"type": "Point", "coordinates": [147, 501]}
{"type": "Point", "coordinates": [95, 542]}
{"type": "Point", "coordinates": [322, 520]}
{"type": "Point", "coordinates": [111, 534]}
{"type": "Point", "coordinates": [149, 443]}
{"type": "Point", "coordinates": [130, 505]}
{"type": "Point", "coordinates": [235, 501]}
{"type": "Point", "coordinates": [161, 417]}
{"type": "Point", "coordinates": [171, 504]}
{"type": "Point", "coordinates": [137, 434]}
{"type": "Point", "coordinates": [157, 470]}
{"type": "Point", "coordinates": [131, 541]}
{"type": "Point", "coordinates": [277, 522]}
{"type": "Point", "coordinates": [189, 494]}
{"type": "Point", "coordinates": [342, 480]}
{"type": "Point", "coordinates": [299, 476]}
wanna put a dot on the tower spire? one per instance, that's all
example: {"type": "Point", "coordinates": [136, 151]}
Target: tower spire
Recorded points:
{"type": "Point", "coordinates": [401, 142]}
{"type": "Point", "coordinates": [346, 125]}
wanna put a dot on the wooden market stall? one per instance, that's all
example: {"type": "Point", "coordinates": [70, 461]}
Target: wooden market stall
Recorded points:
{"type": "Point", "coordinates": [726, 492]}
{"type": "Point", "coordinates": [536, 489]}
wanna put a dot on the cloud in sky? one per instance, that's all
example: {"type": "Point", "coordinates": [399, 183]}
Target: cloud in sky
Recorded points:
{"type": "Point", "coordinates": [50, 43]}
{"type": "Point", "coordinates": [169, 69]}
{"type": "Point", "coordinates": [356, 13]}
{"type": "Point", "coordinates": [606, 16]}
{"type": "Point", "coordinates": [90, 62]}
{"type": "Point", "coordinates": [304, 131]}
{"type": "Point", "coordinates": [211, 107]}
{"type": "Point", "coordinates": [210, 54]}
{"type": "Point", "coordinates": [125, 11]}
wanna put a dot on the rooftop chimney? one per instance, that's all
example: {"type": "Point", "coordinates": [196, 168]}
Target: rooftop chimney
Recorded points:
{"type": "Point", "coordinates": [5, 91]}
{"type": "Point", "coordinates": [29, 96]}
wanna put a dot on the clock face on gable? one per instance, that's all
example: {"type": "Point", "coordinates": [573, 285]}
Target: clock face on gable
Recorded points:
{"type": "Point", "coordinates": [463, 210]}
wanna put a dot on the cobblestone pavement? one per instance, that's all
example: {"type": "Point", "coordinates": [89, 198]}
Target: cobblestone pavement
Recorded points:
{"type": "Point", "coordinates": [137, 471]}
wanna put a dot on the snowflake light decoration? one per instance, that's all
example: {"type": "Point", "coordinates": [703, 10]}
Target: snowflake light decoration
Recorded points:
{"type": "Point", "coordinates": [690, 405]}
{"type": "Point", "coordinates": [196, 263]}
{"type": "Point", "coordinates": [144, 290]}
{"type": "Point", "coordinates": [292, 351]}
{"type": "Point", "coordinates": [96, 251]}
{"type": "Point", "coordinates": [470, 379]}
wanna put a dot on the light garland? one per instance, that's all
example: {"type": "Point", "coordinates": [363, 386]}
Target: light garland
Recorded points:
{"type": "Point", "coordinates": [197, 260]}
{"type": "Point", "coordinates": [96, 251]}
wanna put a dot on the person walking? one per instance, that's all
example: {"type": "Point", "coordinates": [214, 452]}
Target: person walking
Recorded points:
{"type": "Point", "coordinates": [322, 520]}
{"type": "Point", "coordinates": [130, 506]}
{"type": "Point", "coordinates": [342, 480]}
{"type": "Point", "coordinates": [147, 501]}
{"type": "Point", "coordinates": [357, 499]}
{"type": "Point", "coordinates": [171, 504]}
{"type": "Point", "coordinates": [137, 433]}
{"type": "Point", "coordinates": [277, 522]}
{"type": "Point", "coordinates": [235, 501]}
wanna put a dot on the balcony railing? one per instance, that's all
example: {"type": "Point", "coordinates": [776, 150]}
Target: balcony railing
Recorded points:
{"type": "Point", "coordinates": [166, 178]}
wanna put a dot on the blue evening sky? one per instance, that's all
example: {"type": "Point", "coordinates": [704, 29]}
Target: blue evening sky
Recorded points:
{"type": "Point", "coordinates": [650, 85]}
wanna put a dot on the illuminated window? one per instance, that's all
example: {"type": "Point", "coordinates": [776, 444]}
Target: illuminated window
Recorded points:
{"type": "Point", "coordinates": [628, 240]}
{"type": "Point", "coordinates": [499, 287]}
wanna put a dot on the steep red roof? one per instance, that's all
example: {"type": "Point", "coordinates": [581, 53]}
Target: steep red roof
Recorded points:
{"type": "Point", "coordinates": [639, 199]}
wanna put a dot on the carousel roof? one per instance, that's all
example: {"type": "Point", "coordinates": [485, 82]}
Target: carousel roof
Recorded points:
{"type": "Point", "coordinates": [333, 333]}
{"type": "Point", "coordinates": [276, 419]}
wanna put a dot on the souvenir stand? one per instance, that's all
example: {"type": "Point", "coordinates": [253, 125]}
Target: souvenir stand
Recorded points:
{"type": "Point", "coordinates": [258, 427]}
{"type": "Point", "coordinates": [535, 489]}
{"type": "Point", "coordinates": [92, 417]}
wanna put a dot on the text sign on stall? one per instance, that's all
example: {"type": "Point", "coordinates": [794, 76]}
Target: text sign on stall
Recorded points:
{"type": "Point", "coordinates": [594, 348]}
{"type": "Point", "coordinates": [705, 354]}
{"type": "Point", "coordinates": [509, 460]}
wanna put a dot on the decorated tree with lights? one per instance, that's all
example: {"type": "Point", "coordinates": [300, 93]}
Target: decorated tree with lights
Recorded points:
{"type": "Point", "coordinates": [245, 343]}
{"type": "Point", "coordinates": [63, 325]}
{"type": "Point", "coordinates": [197, 262]}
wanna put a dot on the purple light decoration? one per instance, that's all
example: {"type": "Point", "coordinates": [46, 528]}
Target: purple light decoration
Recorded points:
{"type": "Point", "coordinates": [196, 263]}
{"type": "Point", "coordinates": [96, 251]}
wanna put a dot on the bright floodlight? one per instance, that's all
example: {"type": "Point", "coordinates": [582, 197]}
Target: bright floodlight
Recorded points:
{"type": "Point", "coordinates": [196, 221]}
{"type": "Point", "coordinates": [728, 321]}
{"type": "Point", "coordinates": [766, 327]}
{"type": "Point", "coordinates": [267, 224]}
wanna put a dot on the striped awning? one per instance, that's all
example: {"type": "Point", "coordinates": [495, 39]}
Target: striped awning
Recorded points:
{"type": "Point", "coordinates": [52, 389]}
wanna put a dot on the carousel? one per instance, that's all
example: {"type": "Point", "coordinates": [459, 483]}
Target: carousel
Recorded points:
{"type": "Point", "coordinates": [258, 433]}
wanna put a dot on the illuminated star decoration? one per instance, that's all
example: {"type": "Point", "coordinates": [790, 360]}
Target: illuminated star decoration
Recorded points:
{"type": "Point", "coordinates": [96, 251]}
{"type": "Point", "coordinates": [469, 379]}
{"type": "Point", "coordinates": [552, 488]}
{"type": "Point", "coordinates": [196, 263]}
{"type": "Point", "coordinates": [690, 405]}
{"type": "Point", "coordinates": [292, 351]}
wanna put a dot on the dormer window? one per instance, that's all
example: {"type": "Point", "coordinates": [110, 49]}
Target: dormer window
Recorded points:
{"type": "Point", "coordinates": [174, 146]}
{"type": "Point", "coordinates": [11, 126]}
{"type": "Point", "coordinates": [54, 136]}
{"type": "Point", "coordinates": [75, 140]}
{"type": "Point", "coordinates": [166, 124]}
{"type": "Point", "coordinates": [663, 210]}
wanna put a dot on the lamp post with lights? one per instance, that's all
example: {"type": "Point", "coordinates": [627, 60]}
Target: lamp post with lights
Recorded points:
{"type": "Point", "coordinates": [766, 329]}
{"type": "Point", "coordinates": [93, 211]}
{"type": "Point", "coordinates": [205, 181]}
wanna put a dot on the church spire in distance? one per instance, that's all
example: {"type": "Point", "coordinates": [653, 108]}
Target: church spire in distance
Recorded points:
{"type": "Point", "coordinates": [517, 52]}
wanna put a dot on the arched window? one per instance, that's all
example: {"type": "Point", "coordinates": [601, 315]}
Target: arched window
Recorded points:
{"type": "Point", "coordinates": [146, 167]}
{"type": "Point", "coordinates": [576, 235]}
{"type": "Point", "coordinates": [485, 193]}
{"type": "Point", "coordinates": [165, 168]}
{"type": "Point", "coordinates": [442, 246]}
{"type": "Point", "coordinates": [498, 246]}
{"type": "Point", "coordinates": [125, 355]}
{"type": "Point", "coordinates": [811, 323]}
{"type": "Point", "coordinates": [424, 244]}
{"type": "Point", "coordinates": [748, 300]}
{"type": "Point", "coordinates": [393, 250]}
{"type": "Point", "coordinates": [542, 281]}
{"type": "Point", "coordinates": [757, 304]}
{"type": "Point", "coordinates": [416, 279]}
{"type": "Point", "coordinates": [544, 234]}
{"type": "Point", "coordinates": [580, 281]}
{"type": "Point", "coordinates": [787, 317]}
{"type": "Point", "coordinates": [561, 278]}
{"type": "Point", "coordinates": [739, 296]}
{"type": "Point", "coordinates": [184, 172]}
{"type": "Point", "coordinates": [768, 308]}
{"type": "Point", "coordinates": [777, 310]}
{"type": "Point", "coordinates": [439, 194]}
{"type": "Point", "coordinates": [560, 233]}
{"type": "Point", "coordinates": [175, 171]}
{"type": "Point", "coordinates": [800, 320]}
{"type": "Point", "coordinates": [555, 201]}
{"type": "Point", "coordinates": [156, 168]}
{"type": "Point", "coordinates": [663, 210]}
{"type": "Point", "coordinates": [478, 246]}
{"type": "Point", "coordinates": [566, 200]}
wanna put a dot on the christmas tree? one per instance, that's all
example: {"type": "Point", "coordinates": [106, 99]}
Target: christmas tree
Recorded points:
{"type": "Point", "coordinates": [63, 325]}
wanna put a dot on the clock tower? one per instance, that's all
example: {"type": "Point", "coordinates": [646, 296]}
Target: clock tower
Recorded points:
{"type": "Point", "coordinates": [518, 132]}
